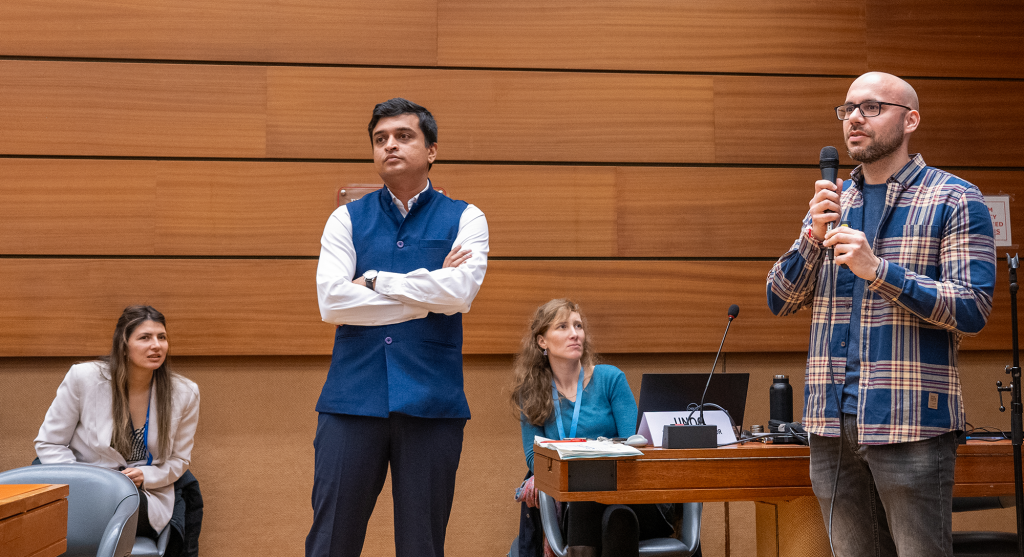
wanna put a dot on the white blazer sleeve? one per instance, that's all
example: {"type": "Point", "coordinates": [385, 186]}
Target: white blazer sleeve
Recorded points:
{"type": "Point", "coordinates": [60, 422]}
{"type": "Point", "coordinates": [182, 439]}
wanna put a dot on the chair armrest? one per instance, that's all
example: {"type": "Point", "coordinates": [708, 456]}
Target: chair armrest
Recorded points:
{"type": "Point", "coordinates": [689, 525]}
{"type": "Point", "coordinates": [549, 521]}
{"type": "Point", "coordinates": [161, 541]}
{"type": "Point", "coordinates": [119, 535]}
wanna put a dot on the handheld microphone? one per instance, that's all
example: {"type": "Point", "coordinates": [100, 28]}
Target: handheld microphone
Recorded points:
{"type": "Point", "coordinates": [734, 310]}
{"type": "Point", "coordinates": [828, 162]}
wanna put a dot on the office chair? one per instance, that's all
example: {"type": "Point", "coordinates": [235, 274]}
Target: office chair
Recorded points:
{"type": "Point", "coordinates": [685, 544]}
{"type": "Point", "coordinates": [146, 547]}
{"type": "Point", "coordinates": [103, 506]}
{"type": "Point", "coordinates": [984, 544]}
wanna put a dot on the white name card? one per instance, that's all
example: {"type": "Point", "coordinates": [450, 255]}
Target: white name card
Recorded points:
{"type": "Point", "coordinates": [999, 208]}
{"type": "Point", "coordinates": [652, 425]}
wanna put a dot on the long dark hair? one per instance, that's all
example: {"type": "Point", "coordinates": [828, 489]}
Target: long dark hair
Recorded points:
{"type": "Point", "coordinates": [118, 365]}
{"type": "Point", "coordinates": [531, 371]}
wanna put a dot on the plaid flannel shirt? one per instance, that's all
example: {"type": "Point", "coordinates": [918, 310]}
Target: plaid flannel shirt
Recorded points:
{"type": "Point", "coordinates": [934, 285]}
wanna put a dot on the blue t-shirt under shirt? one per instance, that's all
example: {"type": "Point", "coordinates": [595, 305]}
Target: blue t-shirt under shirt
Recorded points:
{"type": "Point", "coordinates": [874, 205]}
{"type": "Point", "coordinates": [607, 409]}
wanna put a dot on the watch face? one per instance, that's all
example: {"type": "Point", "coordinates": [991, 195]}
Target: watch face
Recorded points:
{"type": "Point", "coordinates": [370, 275]}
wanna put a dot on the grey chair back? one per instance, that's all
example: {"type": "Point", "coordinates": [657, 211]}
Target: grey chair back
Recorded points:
{"type": "Point", "coordinates": [103, 506]}
{"type": "Point", "coordinates": [684, 544]}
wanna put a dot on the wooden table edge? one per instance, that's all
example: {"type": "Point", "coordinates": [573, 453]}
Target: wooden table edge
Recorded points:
{"type": "Point", "coordinates": [39, 495]}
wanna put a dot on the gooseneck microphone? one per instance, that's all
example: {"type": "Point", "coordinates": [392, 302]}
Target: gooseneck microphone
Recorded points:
{"type": "Point", "coordinates": [828, 161]}
{"type": "Point", "coordinates": [734, 310]}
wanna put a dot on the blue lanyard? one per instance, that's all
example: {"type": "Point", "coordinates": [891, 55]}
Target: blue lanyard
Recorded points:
{"type": "Point", "coordinates": [575, 411]}
{"type": "Point", "coordinates": [145, 438]}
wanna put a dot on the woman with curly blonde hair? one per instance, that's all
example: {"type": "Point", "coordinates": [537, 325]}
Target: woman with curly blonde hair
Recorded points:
{"type": "Point", "coordinates": [562, 392]}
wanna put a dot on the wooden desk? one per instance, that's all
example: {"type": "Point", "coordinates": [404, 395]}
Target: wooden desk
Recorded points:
{"type": "Point", "coordinates": [33, 520]}
{"type": "Point", "coordinates": [777, 477]}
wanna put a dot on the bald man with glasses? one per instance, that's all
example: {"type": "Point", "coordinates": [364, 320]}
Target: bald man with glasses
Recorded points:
{"type": "Point", "coordinates": [914, 272]}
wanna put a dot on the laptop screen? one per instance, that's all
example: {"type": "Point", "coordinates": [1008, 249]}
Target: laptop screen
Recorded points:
{"type": "Point", "coordinates": [673, 392]}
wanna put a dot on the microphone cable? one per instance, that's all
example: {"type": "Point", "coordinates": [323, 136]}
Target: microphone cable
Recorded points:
{"type": "Point", "coordinates": [788, 431]}
{"type": "Point", "coordinates": [759, 436]}
{"type": "Point", "coordinates": [831, 279]}
{"type": "Point", "coordinates": [694, 407]}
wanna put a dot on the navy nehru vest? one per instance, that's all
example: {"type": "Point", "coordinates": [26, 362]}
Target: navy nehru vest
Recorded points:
{"type": "Point", "coordinates": [415, 367]}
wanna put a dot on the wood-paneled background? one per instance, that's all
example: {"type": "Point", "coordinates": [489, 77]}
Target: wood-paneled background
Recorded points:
{"type": "Point", "coordinates": [650, 159]}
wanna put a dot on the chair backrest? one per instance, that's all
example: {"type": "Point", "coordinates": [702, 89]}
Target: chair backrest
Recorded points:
{"type": "Point", "coordinates": [687, 526]}
{"type": "Point", "coordinates": [684, 544]}
{"type": "Point", "coordinates": [103, 506]}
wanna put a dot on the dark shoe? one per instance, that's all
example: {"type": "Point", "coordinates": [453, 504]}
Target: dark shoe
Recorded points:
{"type": "Point", "coordinates": [620, 532]}
{"type": "Point", "coordinates": [580, 551]}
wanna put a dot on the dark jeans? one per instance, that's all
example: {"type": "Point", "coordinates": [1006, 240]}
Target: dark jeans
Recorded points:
{"type": "Point", "coordinates": [891, 499]}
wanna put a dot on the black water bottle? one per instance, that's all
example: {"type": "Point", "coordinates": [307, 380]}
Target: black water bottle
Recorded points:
{"type": "Point", "coordinates": [780, 399]}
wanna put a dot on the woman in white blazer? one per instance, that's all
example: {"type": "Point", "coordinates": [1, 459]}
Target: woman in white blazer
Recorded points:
{"type": "Point", "coordinates": [127, 412]}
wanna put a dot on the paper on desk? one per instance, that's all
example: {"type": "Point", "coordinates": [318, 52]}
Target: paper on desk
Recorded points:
{"type": "Point", "coordinates": [568, 450]}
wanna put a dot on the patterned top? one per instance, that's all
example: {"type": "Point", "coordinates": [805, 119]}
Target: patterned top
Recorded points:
{"type": "Point", "coordinates": [934, 285]}
{"type": "Point", "coordinates": [138, 450]}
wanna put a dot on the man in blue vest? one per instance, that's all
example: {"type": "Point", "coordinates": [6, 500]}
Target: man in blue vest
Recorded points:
{"type": "Point", "coordinates": [397, 270]}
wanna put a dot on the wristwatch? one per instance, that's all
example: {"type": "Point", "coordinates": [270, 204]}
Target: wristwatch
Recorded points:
{"type": "Point", "coordinates": [370, 277]}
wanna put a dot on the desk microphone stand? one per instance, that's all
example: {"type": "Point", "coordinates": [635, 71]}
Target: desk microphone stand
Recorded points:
{"type": "Point", "coordinates": [1016, 408]}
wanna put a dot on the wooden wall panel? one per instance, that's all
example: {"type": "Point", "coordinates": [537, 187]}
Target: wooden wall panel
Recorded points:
{"type": "Point", "coordinates": [113, 109]}
{"type": "Point", "coordinates": [100, 109]}
{"type": "Point", "coordinates": [247, 208]}
{"type": "Point", "coordinates": [308, 31]}
{"type": "Point", "coordinates": [636, 306]}
{"type": "Point", "coordinates": [217, 307]}
{"type": "Point", "coordinates": [788, 36]}
{"type": "Point", "coordinates": [847, 37]}
{"type": "Point", "coordinates": [711, 212]}
{"type": "Point", "coordinates": [71, 207]}
{"type": "Point", "coordinates": [775, 120]}
{"type": "Point", "coordinates": [497, 115]}
{"type": "Point", "coordinates": [183, 208]}
{"type": "Point", "coordinates": [228, 208]}
{"type": "Point", "coordinates": [540, 211]}
{"type": "Point", "coordinates": [967, 123]}
{"type": "Point", "coordinates": [955, 39]}
{"type": "Point", "coordinates": [217, 208]}
{"type": "Point", "coordinates": [66, 307]}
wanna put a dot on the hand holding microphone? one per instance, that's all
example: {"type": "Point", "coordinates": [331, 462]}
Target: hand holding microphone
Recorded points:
{"type": "Point", "coordinates": [854, 251]}
{"type": "Point", "coordinates": [825, 203]}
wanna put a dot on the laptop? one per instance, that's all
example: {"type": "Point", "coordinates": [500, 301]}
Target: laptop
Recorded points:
{"type": "Point", "coordinates": [673, 392]}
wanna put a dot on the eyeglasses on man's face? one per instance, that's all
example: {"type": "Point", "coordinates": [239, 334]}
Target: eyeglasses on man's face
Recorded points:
{"type": "Point", "coordinates": [868, 109]}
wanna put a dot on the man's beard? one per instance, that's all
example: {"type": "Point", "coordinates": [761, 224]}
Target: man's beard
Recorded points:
{"type": "Point", "coordinates": [881, 147]}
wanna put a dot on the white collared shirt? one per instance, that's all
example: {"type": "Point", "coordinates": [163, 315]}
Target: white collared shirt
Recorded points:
{"type": "Point", "coordinates": [401, 207]}
{"type": "Point", "coordinates": [397, 297]}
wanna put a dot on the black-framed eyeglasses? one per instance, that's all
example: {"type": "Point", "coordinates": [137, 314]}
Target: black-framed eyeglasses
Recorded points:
{"type": "Point", "coordinates": [868, 109]}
